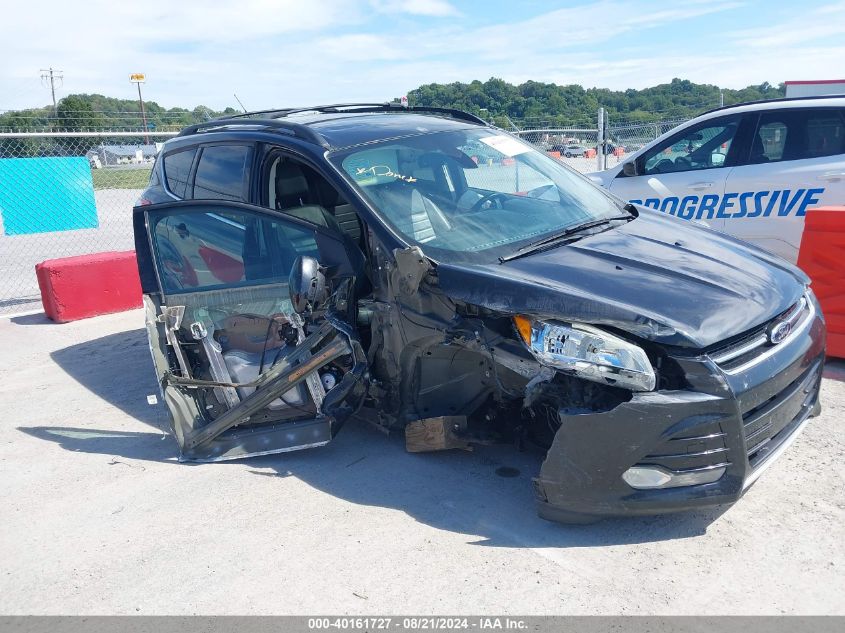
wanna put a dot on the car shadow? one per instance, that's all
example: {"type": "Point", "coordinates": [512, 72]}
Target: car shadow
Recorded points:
{"type": "Point", "coordinates": [117, 369]}
{"type": "Point", "coordinates": [484, 494]}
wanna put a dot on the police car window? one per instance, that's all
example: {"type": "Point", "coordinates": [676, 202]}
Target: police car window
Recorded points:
{"type": "Point", "coordinates": [221, 173]}
{"type": "Point", "coordinates": [177, 169]}
{"type": "Point", "coordinates": [703, 147]}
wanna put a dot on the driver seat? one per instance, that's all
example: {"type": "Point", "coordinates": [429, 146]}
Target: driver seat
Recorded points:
{"type": "Point", "coordinates": [413, 214]}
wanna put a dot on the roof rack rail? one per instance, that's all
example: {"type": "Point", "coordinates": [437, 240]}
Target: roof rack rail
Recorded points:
{"type": "Point", "coordinates": [778, 100]}
{"type": "Point", "coordinates": [296, 130]}
{"type": "Point", "coordinates": [385, 106]}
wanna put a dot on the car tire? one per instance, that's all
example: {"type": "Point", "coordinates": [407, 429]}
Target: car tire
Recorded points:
{"type": "Point", "coordinates": [568, 154]}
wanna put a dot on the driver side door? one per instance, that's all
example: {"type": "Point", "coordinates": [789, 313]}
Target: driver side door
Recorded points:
{"type": "Point", "coordinates": [241, 372]}
{"type": "Point", "coordinates": [685, 175]}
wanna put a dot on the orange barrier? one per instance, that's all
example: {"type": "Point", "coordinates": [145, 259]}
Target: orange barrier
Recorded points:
{"type": "Point", "coordinates": [589, 153]}
{"type": "Point", "coordinates": [554, 154]}
{"type": "Point", "coordinates": [822, 257]}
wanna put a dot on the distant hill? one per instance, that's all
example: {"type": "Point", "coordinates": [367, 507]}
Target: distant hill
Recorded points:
{"type": "Point", "coordinates": [573, 105]}
{"type": "Point", "coordinates": [532, 102]}
{"type": "Point", "coordinates": [84, 112]}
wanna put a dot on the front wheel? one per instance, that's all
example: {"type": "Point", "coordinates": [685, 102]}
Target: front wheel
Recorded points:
{"type": "Point", "coordinates": [568, 154]}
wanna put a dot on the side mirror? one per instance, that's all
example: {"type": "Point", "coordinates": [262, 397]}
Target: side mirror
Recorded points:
{"type": "Point", "coordinates": [630, 168]}
{"type": "Point", "coordinates": [307, 284]}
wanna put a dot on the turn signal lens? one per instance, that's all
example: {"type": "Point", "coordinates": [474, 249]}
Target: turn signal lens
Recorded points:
{"type": "Point", "coordinates": [523, 326]}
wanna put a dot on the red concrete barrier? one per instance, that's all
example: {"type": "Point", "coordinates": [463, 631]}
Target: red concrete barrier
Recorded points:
{"type": "Point", "coordinates": [822, 257]}
{"type": "Point", "coordinates": [88, 285]}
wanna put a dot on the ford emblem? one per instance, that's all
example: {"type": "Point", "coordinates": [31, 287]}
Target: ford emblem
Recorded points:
{"type": "Point", "coordinates": [778, 332]}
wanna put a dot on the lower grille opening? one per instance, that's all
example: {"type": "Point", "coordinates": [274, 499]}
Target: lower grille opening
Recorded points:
{"type": "Point", "coordinates": [771, 422]}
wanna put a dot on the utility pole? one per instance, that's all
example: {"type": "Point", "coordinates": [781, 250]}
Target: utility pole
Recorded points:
{"type": "Point", "coordinates": [721, 98]}
{"type": "Point", "coordinates": [52, 76]}
{"type": "Point", "coordinates": [139, 78]}
{"type": "Point", "coordinates": [600, 140]}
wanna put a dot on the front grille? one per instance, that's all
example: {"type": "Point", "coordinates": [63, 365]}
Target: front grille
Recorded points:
{"type": "Point", "coordinates": [754, 346]}
{"type": "Point", "coordinates": [771, 422]}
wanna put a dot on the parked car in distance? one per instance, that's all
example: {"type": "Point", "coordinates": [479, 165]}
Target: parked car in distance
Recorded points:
{"type": "Point", "coordinates": [570, 150]}
{"type": "Point", "coordinates": [750, 170]}
{"type": "Point", "coordinates": [303, 267]}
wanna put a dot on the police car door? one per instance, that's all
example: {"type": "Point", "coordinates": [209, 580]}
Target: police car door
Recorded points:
{"type": "Point", "coordinates": [685, 174]}
{"type": "Point", "coordinates": [796, 161]}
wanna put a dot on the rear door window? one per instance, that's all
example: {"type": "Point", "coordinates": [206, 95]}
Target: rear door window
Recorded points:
{"type": "Point", "coordinates": [797, 135]}
{"type": "Point", "coordinates": [177, 170]}
{"type": "Point", "coordinates": [222, 173]}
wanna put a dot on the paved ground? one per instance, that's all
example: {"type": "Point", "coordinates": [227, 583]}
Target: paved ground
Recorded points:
{"type": "Point", "coordinates": [97, 517]}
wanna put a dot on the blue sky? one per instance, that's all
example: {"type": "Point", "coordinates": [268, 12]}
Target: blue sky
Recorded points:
{"type": "Point", "coordinates": [285, 52]}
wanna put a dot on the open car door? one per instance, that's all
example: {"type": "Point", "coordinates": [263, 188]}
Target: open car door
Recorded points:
{"type": "Point", "coordinates": [242, 372]}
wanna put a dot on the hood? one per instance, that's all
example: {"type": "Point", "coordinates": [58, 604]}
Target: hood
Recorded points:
{"type": "Point", "coordinates": [656, 277]}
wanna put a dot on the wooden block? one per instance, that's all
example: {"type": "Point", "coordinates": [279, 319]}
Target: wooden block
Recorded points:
{"type": "Point", "coordinates": [436, 434]}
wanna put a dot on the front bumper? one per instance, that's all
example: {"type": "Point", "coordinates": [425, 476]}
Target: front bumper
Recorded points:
{"type": "Point", "coordinates": [739, 421]}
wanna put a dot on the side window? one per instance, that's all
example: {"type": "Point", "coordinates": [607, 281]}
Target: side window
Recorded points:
{"type": "Point", "coordinates": [222, 173]}
{"type": "Point", "coordinates": [177, 170]}
{"type": "Point", "coordinates": [196, 250]}
{"type": "Point", "coordinates": [798, 134]}
{"type": "Point", "coordinates": [825, 134]}
{"type": "Point", "coordinates": [704, 146]}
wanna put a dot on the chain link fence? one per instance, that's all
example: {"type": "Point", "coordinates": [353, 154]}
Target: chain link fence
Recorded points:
{"type": "Point", "coordinates": [64, 194]}
{"type": "Point", "coordinates": [578, 147]}
{"type": "Point", "coordinates": [71, 193]}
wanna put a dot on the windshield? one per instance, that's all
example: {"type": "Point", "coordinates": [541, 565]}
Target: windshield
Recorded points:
{"type": "Point", "coordinates": [471, 194]}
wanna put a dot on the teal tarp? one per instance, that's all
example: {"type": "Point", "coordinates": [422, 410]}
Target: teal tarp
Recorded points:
{"type": "Point", "coordinates": [39, 195]}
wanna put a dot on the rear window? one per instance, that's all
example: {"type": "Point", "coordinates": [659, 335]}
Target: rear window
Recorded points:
{"type": "Point", "coordinates": [222, 173]}
{"type": "Point", "coordinates": [177, 169]}
{"type": "Point", "coordinates": [825, 134]}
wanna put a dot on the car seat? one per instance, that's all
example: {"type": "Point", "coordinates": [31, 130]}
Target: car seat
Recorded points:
{"type": "Point", "coordinates": [413, 214]}
{"type": "Point", "coordinates": [758, 152]}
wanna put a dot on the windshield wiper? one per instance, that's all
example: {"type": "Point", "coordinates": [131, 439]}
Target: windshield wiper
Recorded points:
{"type": "Point", "coordinates": [539, 245]}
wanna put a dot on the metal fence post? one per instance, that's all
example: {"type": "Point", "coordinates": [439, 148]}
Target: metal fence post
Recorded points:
{"type": "Point", "coordinates": [600, 141]}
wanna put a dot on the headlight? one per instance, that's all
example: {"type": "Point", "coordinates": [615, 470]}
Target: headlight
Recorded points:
{"type": "Point", "coordinates": [587, 352]}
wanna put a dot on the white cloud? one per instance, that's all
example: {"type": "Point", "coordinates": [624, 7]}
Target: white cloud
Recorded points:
{"type": "Point", "coordinates": [801, 27]}
{"type": "Point", "coordinates": [433, 8]}
{"type": "Point", "coordinates": [288, 52]}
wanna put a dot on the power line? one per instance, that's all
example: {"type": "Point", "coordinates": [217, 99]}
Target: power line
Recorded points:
{"type": "Point", "coordinates": [53, 76]}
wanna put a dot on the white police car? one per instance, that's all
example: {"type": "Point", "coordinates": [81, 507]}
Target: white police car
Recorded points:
{"type": "Point", "coordinates": [750, 170]}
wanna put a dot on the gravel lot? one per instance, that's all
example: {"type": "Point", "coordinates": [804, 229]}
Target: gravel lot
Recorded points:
{"type": "Point", "coordinates": [98, 517]}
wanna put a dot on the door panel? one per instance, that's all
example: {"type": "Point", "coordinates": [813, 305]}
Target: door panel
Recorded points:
{"type": "Point", "coordinates": [797, 161]}
{"type": "Point", "coordinates": [243, 374]}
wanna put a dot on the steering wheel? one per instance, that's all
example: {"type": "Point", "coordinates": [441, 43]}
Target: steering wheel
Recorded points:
{"type": "Point", "coordinates": [495, 199]}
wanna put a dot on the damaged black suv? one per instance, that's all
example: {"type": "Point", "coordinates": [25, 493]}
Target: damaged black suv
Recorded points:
{"type": "Point", "coordinates": [421, 270]}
